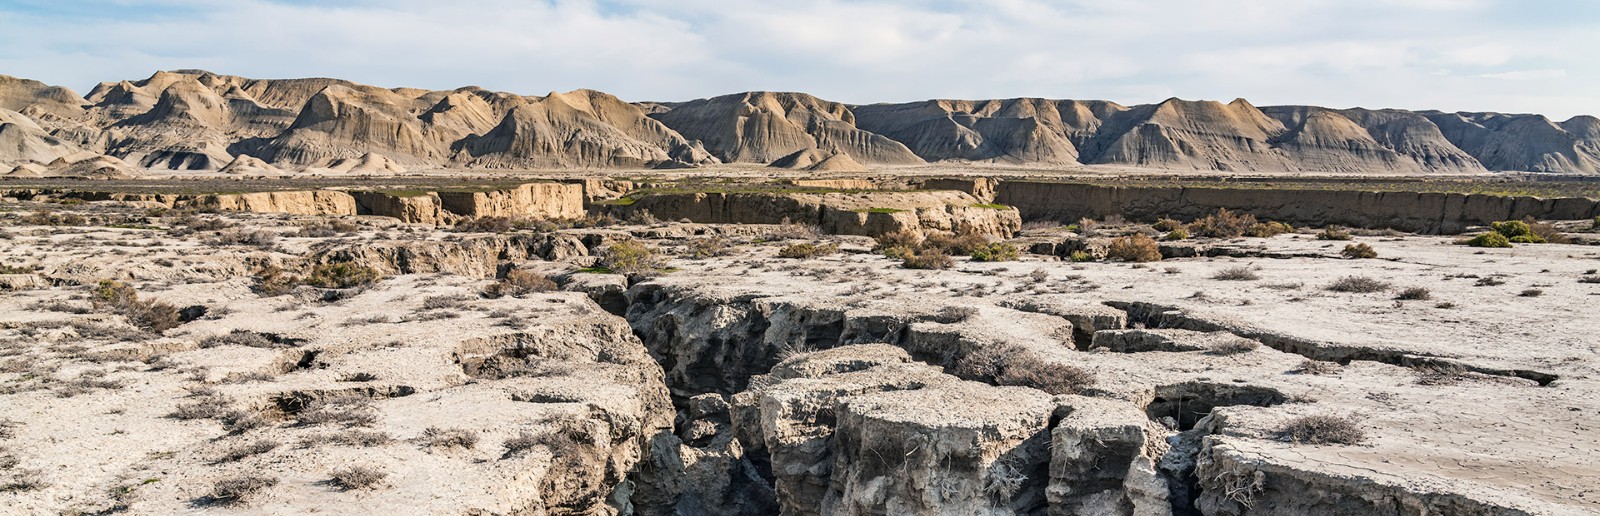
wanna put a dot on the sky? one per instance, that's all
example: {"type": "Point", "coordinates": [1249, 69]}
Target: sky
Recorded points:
{"type": "Point", "coordinates": [1522, 56]}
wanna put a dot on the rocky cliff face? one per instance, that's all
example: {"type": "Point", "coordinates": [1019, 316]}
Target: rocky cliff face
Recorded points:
{"type": "Point", "coordinates": [196, 120]}
{"type": "Point", "coordinates": [841, 213]}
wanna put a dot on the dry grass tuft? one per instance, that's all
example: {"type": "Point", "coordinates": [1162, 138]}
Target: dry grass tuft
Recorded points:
{"type": "Point", "coordinates": [1322, 429]}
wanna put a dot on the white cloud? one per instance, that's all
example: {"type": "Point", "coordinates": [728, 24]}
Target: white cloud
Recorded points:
{"type": "Point", "coordinates": [1445, 54]}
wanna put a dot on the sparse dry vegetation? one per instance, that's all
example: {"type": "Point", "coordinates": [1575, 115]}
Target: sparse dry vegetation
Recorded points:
{"type": "Point", "coordinates": [1357, 285]}
{"type": "Point", "coordinates": [1134, 248]}
{"type": "Point", "coordinates": [1008, 365]}
{"type": "Point", "coordinates": [1321, 429]}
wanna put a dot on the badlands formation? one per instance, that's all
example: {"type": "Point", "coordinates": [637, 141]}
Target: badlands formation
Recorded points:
{"type": "Point", "coordinates": [197, 121]}
{"type": "Point", "coordinates": [222, 295]}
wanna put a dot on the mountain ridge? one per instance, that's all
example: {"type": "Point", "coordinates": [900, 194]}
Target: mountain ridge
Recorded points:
{"type": "Point", "coordinates": [198, 120]}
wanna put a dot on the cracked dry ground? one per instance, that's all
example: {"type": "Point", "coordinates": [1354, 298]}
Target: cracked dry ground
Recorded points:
{"type": "Point", "coordinates": [750, 384]}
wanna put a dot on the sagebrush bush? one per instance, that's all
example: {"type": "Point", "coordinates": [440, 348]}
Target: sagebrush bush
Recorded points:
{"type": "Point", "coordinates": [1236, 274]}
{"type": "Point", "coordinates": [1011, 365]}
{"type": "Point", "coordinates": [1223, 224]}
{"type": "Point", "coordinates": [1358, 251]}
{"type": "Point", "coordinates": [1167, 225]}
{"type": "Point", "coordinates": [1334, 233]}
{"type": "Point", "coordinates": [1492, 239]}
{"type": "Point", "coordinates": [1414, 294]}
{"type": "Point", "coordinates": [958, 244]}
{"type": "Point", "coordinates": [631, 257]}
{"type": "Point", "coordinates": [995, 252]}
{"type": "Point", "coordinates": [435, 437]}
{"type": "Point", "coordinates": [928, 259]}
{"type": "Point", "coordinates": [1268, 229]}
{"type": "Point", "coordinates": [1322, 429]}
{"type": "Point", "coordinates": [151, 316]}
{"type": "Point", "coordinates": [357, 477]}
{"type": "Point", "coordinates": [1176, 234]}
{"type": "Point", "coordinates": [1134, 248]}
{"type": "Point", "coordinates": [341, 275]}
{"type": "Point", "coordinates": [709, 246]}
{"type": "Point", "coordinates": [1357, 284]}
{"type": "Point", "coordinates": [1080, 256]}
{"type": "Point", "coordinates": [519, 283]}
{"type": "Point", "coordinates": [486, 225]}
{"type": "Point", "coordinates": [807, 250]}
{"type": "Point", "coordinates": [239, 488]}
{"type": "Point", "coordinates": [898, 239]}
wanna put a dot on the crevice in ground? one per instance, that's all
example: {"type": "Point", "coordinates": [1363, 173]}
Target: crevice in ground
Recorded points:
{"type": "Point", "coordinates": [1153, 315]}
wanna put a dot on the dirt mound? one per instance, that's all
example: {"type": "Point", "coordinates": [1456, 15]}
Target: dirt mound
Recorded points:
{"type": "Point", "coordinates": [250, 166]}
{"type": "Point", "coordinates": [22, 140]}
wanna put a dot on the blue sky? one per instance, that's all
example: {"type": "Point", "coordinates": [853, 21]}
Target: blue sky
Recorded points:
{"type": "Point", "coordinates": [1471, 55]}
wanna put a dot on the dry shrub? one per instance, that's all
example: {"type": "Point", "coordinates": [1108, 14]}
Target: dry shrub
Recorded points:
{"type": "Point", "coordinates": [1134, 248]}
{"type": "Point", "coordinates": [254, 238]}
{"type": "Point", "coordinates": [1167, 225]}
{"type": "Point", "coordinates": [519, 283]}
{"type": "Point", "coordinates": [152, 316]}
{"type": "Point", "coordinates": [327, 228]}
{"type": "Point", "coordinates": [928, 259]}
{"type": "Point", "coordinates": [898, 239]}
{"type": "Point", "coordinates": [341, 275]}
{"type": "Point", "coordinates": [357, 477]}
{"type": "Point", "coordinates": [435, 437]}
{"type": "Point", "coordinates": [1334, 233]}
{"type": "Point", "coordinates": [788, 230]}
{"type": "Point", "coordinates": [1223, 224]}
{"type": "Point", "coordinates": [1234, 347]}
{"type": "Point", "coordinates": [1546, 231]}
{"type": "Point", "coordinates": [1236, 274]}
{"type": "Point", "coordinates": [243, 451]}
{"type": "Point", "coordinates": [1268, 229]}
{"type": "Point", "coordinates": [1317, 367]}
{"type": "Point", "coordinates": [485, 225]}
{"type": "Point", "coordinates": [239, 489]}
{"type": "Point", "coordinates": [1011, 365]}
{"type": "Point", "coordinates": [1359, 251]}
{"type": "Point", "coordinates": [1322, 429]}
{"type": "Point", "coordinates": [1414, 294]}
{"type": "Point", "coordinates": [958, 244]}
{"type": "Point", "coordinates": [348, 411]}
{"type": "Point", "coordinates": [710, 246]}
{"type": "Point", "coordinates": [807, 251]}
{"type": "Point", "coordinates": [1357, 284]}
{"type": "Point", "coordinates": [239, 337]}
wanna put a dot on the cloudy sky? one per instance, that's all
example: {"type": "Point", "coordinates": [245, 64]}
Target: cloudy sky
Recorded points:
{"type": "Point", "coordinates": [1472, 55]}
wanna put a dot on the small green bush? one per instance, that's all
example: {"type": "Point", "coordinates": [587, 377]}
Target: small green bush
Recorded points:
{"type": "Point", "coordinates": [1176, 234]}
{"type": "Point", "coordinates": [1134, 248]}
{"type": "Point", "coordinates": [1167, 225]}
{"type": "Point", "coordinates": [1512, 228]}
{"type": "Point", "coordinates": [1080, 256]}
{"type": "Point", "coordinates": [1490, 240]}
{"type": "Point", "coordinates": [996, 252]}
{"type": "Point", "coordinates": [1359, 251]}
{"type": "Point", "coordinates": [807, 251]}
{"type": "Point", "coordinates": [630, 257]}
